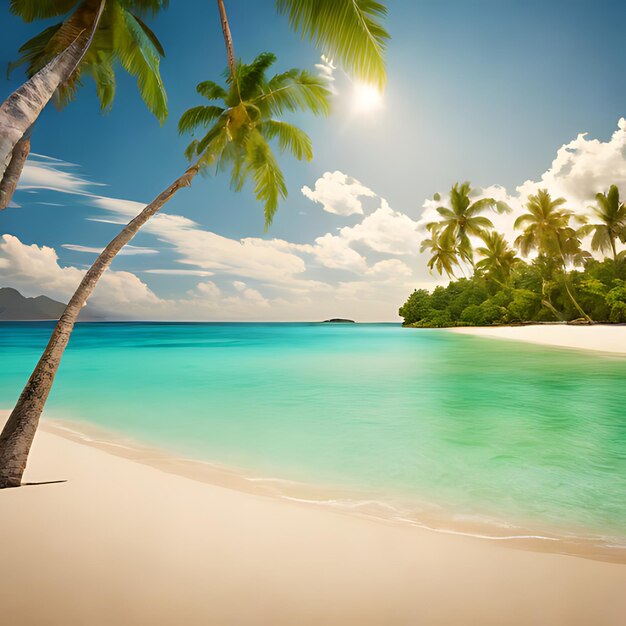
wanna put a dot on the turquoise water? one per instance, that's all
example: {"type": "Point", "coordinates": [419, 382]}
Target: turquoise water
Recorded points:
{"type": "Point", "coordinates": [478, 427]}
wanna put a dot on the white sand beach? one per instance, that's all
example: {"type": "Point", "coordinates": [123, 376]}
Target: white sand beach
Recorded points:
{"type": "Point", "coordinates": [602, 338]}
{"type": "Point", "coordinates": [122, 542]}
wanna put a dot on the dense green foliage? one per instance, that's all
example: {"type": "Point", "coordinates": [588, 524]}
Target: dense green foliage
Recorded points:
{"type": "Point", "coordinates": [504, 288]}
{"type": "Point", "coordinates": [478, 301]}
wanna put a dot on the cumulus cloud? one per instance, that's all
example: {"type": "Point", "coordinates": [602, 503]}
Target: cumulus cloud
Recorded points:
{"type": "Point", "coordinates": [583, 167]}
{"type": "Point", "coordinates": [390, 268]}
{"type": "Point", "coordinates": [386, 231]}
{"type": "Point", "coordinates": [35, 270]}
{"type": "Point", "coordinates": [334, 252]}
{"type": "Point", "coordinates": [338, 193]}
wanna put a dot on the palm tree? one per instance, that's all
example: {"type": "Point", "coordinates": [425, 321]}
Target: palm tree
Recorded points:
{"type": "Point", "coordinates": [350, 31]}
{"type": "Point", "coordinates": [92, 36]}
{"type": "Point", "coordinates": [444, 253]}
{"type": "Point", "coordinates": [237, 137]}
{"type": "Point", "coordinates": [463, 219]}
{"type": "Point", "coordinates": [611, 214]}
{"type": "Point", "coordinates": [498, 260]}
{"type": "Point", "coordinates": [546, 229]}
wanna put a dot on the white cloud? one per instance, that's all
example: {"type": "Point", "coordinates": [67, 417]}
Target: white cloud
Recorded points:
{"type": "Point", "coordinates": [209, 289]}
{"type": "Point", "coordinates": [386, 231]}
{"type": "Point", "coordinates": [35, 270]}
{"type": "Point", "coordinates": [390, 269]}
{"type": "Point", "coordinates": [334, 252]}
{"type": "Point", "coordinates": [583, 167]}
{"type": "Point", "coordinates": [338, 193]}
{"type": "Point", "coordinates": [47, 173]}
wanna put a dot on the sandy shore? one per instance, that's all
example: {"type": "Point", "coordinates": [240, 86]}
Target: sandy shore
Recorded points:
{"type": "Point", "coordinates": [600, 338]}
{"type": "Point", "coordinates": [121, 542]}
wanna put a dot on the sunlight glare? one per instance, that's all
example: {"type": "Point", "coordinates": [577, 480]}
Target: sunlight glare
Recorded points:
{"type": "Point", "coordinates": [367, 98]}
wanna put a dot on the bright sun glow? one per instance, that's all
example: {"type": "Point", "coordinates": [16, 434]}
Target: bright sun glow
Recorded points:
{"type": "Point", "coordinates": [366, 98]}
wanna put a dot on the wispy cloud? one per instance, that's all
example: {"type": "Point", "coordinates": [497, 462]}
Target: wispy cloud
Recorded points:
{"type": "Point", "coordinates": [127, 250]}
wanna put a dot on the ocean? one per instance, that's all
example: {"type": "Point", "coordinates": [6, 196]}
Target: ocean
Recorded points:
{"type": "Point", "coordinates": [425, 424]}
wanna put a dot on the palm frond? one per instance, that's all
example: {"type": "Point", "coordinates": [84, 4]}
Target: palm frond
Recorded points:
{"type": "Point", "coordinates": [191, 151]}
{"type": "Point", "coordinates": [251, 76]}
{"type": "Point", "coordinates": [198, 116]}
{"type": "Point", "coordinates": [480, 205]}
{"type": "Point", "coordinates": [269, 182]}
{"type": "Point", "coordinates": [31, 10]}
{"type": "Point", "coordinates": [211, 90]}
{"type": "Point", "coordinates": [296, 90]}
{"type": "Point", "coordinates": [349, 31]}
{"type": "Point", "coordinates": [103, 75]}
{"type": "Point", "coordinates": [154, 40]}
{"type": "Point", "coordinates": [290, 138]}
{"type": "Point", "coordinates": [141, 59]}
{"type": "Point", "coordinates": [33, 50]}
{"type": "Point", "coordinates": [211, 145]}
{"type": "Point", "coordinates": [145, 7]}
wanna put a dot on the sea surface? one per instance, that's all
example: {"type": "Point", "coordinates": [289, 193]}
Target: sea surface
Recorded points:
{"type": "Point", "coordinates": [426, 424]}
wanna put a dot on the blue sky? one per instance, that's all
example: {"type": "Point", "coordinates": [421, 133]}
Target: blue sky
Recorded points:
{"type": "Point", "coordinates": [486, 91]}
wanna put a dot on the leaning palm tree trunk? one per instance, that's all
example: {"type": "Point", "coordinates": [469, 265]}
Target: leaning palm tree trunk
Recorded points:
{"type": "Point", "coordinates": [19, 431]}
{"type": "Point", "coordinates": [22, 108]}
{"type": "Point", "coordinates": [13, 172]}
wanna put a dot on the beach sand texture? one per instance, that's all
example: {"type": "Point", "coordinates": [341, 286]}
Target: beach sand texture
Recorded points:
{"type": "Point", "coordinates": [121, 543]}
{"type": "Point", "coordinates": [602, 338]}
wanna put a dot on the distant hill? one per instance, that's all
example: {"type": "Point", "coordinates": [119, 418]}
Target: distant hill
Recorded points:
{"type": "Point", "coordinates": [15, 307]}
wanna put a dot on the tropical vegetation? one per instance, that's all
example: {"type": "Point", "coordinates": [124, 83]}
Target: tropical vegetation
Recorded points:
{"type": "Point", "coordinates": [91, 39]}
{"type": "Point", "coordinates": [544, 276]}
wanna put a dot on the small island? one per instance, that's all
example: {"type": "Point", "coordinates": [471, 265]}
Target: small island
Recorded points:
{"type": "Point", "coordinates": [338, 320]}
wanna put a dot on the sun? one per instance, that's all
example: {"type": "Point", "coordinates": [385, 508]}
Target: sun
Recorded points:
{"type": "Point", "coordinates": [366, 98]}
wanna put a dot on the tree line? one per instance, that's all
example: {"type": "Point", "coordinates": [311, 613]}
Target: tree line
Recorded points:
{"type": "Point", "coordinates": [545, 275]}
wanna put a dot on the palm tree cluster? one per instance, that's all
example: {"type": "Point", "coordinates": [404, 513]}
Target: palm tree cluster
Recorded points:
{"type": "Point", "coordinates": [236, 131]}
{"type": "Point", "coordinates": [550, 240]}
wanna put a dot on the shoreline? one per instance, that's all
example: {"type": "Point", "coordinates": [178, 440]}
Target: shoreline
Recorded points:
{"type": "Point", "coordinates": [123, 542]}
{"type": "Point", "coordinates": [427, 516]}
{"type": "Point", "coordinates": [606, 339]}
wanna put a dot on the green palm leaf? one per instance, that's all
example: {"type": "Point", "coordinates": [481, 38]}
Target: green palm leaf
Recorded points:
{"type": "Point", "coordinates": [141, 59]}
{"type": "Point", "coordinates": [295, 90]}
{"type": "Point", "coordinates": [349, 31]}
{"type": "Point", "coordinates": [211, 90]}
{"type": "Point", "coordinates": [269, 182]}
{"type": "Point", "coordinates": [198, 116]}
{"type": "Point", "coordinates": [31, 10]}
{"type": "Point", "coordinates": [290, 138]}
